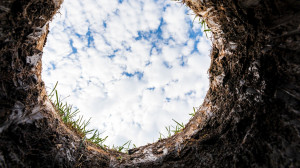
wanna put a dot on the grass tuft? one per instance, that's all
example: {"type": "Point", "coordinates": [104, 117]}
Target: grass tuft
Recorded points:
{"type": "Point", "coordinates": [125, 147]}
{"type": "Point", "coordinates": [193, 113]}
{"type": "Point", "coordinates": [202, 22]}
{"type": "Point", "coordinates": [79, 125]}
{"type": "Point", "coordinates": [172, 130]}
{"type": "Point", "coordinates": [68, 115]}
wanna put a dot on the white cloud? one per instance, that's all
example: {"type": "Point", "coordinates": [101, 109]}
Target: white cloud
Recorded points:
{"type": "Point", "coordinates": [131, 66]}
{"type": "Point", "coordinates": [175, 17]}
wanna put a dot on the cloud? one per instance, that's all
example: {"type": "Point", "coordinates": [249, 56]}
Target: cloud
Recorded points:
{"type": "Point", "coordinates": [130, 65]}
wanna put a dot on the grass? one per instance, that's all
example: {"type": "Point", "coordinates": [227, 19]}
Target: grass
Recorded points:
{"type": "Point", "coordinates": [125, 147]}
{"type": "Point", "coordinates": [203, 25]}
{"type": "Point", "coordinates": [68, 116]}
{"type": "Point", "coordinates": [172, 130]}
{"type": "Point", "coordinates": [79, 125]}
{"type": "Point", "coordinates": [193, 113]}
{"type": "Point", "coordinates": [202, 22]}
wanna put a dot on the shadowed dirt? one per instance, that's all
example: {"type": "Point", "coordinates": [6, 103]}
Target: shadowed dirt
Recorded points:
{"type": "Point", "coordinates": [250, 116]}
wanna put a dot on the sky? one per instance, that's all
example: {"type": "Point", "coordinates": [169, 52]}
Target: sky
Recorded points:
{"type": "Point", "coordinates": [130, 65]}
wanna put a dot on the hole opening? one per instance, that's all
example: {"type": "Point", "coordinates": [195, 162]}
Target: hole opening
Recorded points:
{"type": "Point", "coordinates": [138, 69]}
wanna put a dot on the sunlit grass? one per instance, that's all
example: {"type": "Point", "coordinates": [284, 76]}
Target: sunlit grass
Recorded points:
{"type": "Point", "coordinates": [202, 22]}
{"type": "Point", "coordinates": [80, 126]}
{"type": "Point", "coordinates": [68, 115]}
{"type": "Point", "coordinates": [177, 128]}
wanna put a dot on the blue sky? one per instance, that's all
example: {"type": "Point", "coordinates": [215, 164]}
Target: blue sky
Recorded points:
{"type": "Point", "coordinates": [131, 65]}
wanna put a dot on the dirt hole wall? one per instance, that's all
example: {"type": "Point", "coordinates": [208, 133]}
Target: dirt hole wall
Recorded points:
{"type": "Point", "coordinates": [250, 116]}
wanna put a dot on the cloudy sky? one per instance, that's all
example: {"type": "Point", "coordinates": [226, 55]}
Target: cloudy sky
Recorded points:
{"type": "Point", "coordinates": [130, 65]}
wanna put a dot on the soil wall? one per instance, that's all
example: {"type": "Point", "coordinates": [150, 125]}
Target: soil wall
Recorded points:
{"type": "Point", "coordinates": [250, 116]}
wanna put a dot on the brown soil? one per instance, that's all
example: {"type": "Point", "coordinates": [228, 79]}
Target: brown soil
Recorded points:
{"type": "Point", "coordinates": [250, 116]}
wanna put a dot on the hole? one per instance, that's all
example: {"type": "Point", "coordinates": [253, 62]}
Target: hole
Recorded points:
{"type": "Point", "coordinates": [132, 66]}
{"type": "Point", "coordinates": [254, 77]}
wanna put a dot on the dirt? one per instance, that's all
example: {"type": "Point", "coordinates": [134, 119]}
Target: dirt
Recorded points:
{"type": "Point", "coordinates": [250, 116]}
